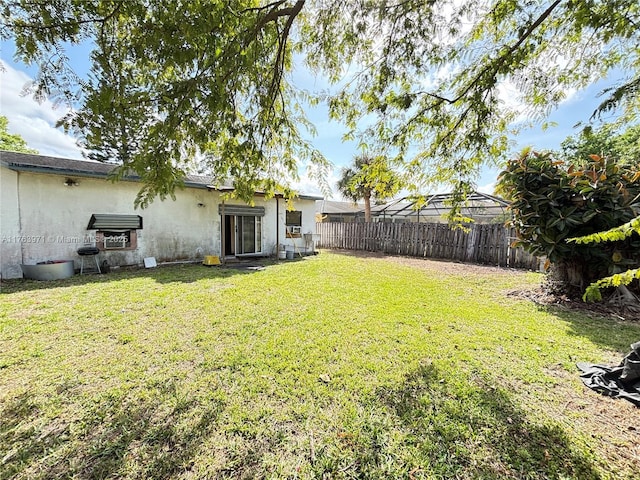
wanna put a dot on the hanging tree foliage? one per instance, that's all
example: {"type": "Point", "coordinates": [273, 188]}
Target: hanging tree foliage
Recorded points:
{"type": "Point", "coordinates": [172, 80]}
{"type": "Point", "coordinates": [620, 277]}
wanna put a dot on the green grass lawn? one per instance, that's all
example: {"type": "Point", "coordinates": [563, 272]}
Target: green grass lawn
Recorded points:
{"type": "Point", "coordinates": [330, 367]}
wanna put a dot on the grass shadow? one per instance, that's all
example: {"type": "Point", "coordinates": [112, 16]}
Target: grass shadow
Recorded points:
{"type": "Point", "coordinates": [182, 273]}
{"type": "Point", "coordinates": [459, 428]}
{"type": "Point", "coordinates": [604, 331]}
{"type": "Point", "coordinates": [151, 434]}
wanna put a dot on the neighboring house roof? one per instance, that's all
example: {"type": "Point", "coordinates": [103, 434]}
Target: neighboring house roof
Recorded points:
{"type": "Point", "coordinates": [89, 168]}
{"type": "Point", "coordinates": [477, 204]}
{"type": "Point", "coordinates": [330, 207]}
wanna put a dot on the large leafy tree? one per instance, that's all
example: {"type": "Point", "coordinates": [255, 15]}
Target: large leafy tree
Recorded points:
{"type": "Point", "coordinates": [12, 142]}
{"type": "Point", "coordinates": [174, 80]}
{"type": "Point", "coordinates": [619, 146]}
{"type": "Point", "coordinates": [368, 178]}
{"type": "Point", "coordinates": [174, 85]}
{"type": "Point", "coordinates": [553, 201]}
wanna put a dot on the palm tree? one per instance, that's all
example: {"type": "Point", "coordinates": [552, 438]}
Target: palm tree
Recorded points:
{"type": "Point", "coordinates": [368, 177]}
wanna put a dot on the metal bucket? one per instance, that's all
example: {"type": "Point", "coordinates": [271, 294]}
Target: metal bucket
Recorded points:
{"type": "Point", "coordinates": [56, 270]}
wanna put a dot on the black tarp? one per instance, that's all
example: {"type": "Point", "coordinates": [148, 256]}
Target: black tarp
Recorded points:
{"type": "Point", "coordinates": [622, 381]}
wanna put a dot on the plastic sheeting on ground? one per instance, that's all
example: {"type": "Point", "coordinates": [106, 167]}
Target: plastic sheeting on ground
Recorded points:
{"type": "Point", "coordinates": [622, 381]}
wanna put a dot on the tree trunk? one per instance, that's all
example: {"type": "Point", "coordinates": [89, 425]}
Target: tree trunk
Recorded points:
{"type": "Point", "coordinates": [569, 277]}
{"type": "Point", "coordinates": [624, 297]}
{"type": "Point", "coordinates": [367, 208]}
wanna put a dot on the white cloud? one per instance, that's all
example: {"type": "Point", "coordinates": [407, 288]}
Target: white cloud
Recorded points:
{"type": "Point", "coordinates": [308, 186]}
{"type": "Point", "coordinates": [33, 121]}
{"type": "Point", "coordinates": [512, 98]}
{"type": "Point", "coordinates": [488, 188]}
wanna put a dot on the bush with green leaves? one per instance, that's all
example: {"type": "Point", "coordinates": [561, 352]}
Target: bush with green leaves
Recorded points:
{"type": "Point", "coordinates": [617, 142]}
{"type": "Point", "coordinates": [620, 277]}
{"type": "Point", "coordinates": [552, 201]}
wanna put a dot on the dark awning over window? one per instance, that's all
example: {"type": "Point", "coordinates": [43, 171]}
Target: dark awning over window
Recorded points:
{"type": "Point", "coordinates": [106, 221]}
{"type": "Point", "coordinates": [241, 210]}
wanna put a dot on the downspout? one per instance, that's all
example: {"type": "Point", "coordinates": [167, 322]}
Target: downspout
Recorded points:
{"type": "Point", "coordinates": [277, 226]}
{"type": "Point", "coordinates": [223, 222]}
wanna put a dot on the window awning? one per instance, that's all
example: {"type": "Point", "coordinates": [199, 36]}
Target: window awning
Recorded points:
{"type": "Point", "coordinates": [241, 210]}
{"type": "Point", "coordinates": [105, 221]}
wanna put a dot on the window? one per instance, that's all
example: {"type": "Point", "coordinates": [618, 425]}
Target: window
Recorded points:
{"type": "Point", "coordinates": [116, 239]}
{"type": "Point", "coordinates": [249, 235]}
{"type": "Point", "coordinates": [115, 231]}
{"type": "Point", "coordinates": [293, 222]}
{"type": "Point", "coordinates": [294, 218]}
{"type": "Point", "coordinates": [113, 240]}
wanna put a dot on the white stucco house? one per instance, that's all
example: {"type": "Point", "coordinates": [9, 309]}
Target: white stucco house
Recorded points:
{"type": "Point", "coordinates": [50, 207]}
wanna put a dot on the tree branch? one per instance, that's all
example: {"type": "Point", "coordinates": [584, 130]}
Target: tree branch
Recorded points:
{"type": "Point", "coordinates": [264, 7]}
{"type": "Point", "coordinates": [274, 14]}
{"type": "Point", "coordinates": [494, 66]}
{"type": "Point", "coordinates": [52, 26]}
{"type": "Point", "coordinates": [280, 56]}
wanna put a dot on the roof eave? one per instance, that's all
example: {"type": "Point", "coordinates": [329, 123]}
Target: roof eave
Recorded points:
{"type": "Point", "coordinates": [226, 188]}
{"type": "Point", "coordinates": [57, 171]}
{"type": "Point", "coordinates": [85, 174]}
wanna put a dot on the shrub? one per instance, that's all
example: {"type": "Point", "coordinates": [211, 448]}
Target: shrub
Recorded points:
{"type": "Point", "coordinates": [620, 278]}
{"type": "Point", "coordinates": [552, 201]}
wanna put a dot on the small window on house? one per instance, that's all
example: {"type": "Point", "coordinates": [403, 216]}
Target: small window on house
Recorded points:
{"type": "Point", "coordinates": [293, 222]}
{"type": "Point", "coordinates": [115, 232]}
{"type": "Point", "coordinates": [116, 240]}
{"type": "Point", "coordinates": [294, 218]}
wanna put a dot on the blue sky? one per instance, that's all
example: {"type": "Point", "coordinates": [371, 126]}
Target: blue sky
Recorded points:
{"type": "Point", "coordinates": [35, 122]}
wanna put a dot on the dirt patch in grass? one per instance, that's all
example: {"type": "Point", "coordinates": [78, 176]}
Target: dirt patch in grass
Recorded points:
{"type": "Point", "coordinates": [444, 266]}
{"type": "Point", "coordinates": [542, 296]}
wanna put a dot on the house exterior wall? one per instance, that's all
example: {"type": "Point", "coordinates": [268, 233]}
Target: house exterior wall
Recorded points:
{"type": "Point", "coordinates": [308, 209]}
{"type": "Point", "coordinates": [43, 219]}
{"type": "Point", "coordinates": [274, 231]}
{"type": "Point", "coordinates": [11, 244]}
{"type": "Point", "coordinates": [53, 221]}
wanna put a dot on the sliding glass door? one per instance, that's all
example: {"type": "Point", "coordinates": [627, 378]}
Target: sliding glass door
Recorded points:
{"type": "Point", "coordinates": [248, 235]}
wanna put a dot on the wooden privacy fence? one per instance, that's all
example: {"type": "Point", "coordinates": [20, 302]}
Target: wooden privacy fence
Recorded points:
{"type": "Point", "coordinates": [485, 244]}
